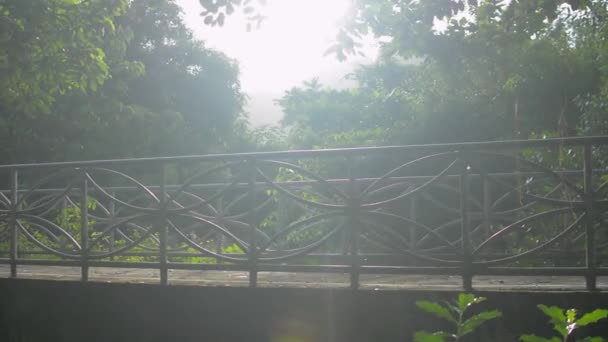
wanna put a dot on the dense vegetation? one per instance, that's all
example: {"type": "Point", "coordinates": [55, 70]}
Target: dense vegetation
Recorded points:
{"type": "Point", "coordinates": [459, 70]}
{"type": "Point", "coordinates": [110, 79]}
{"type": "Point", "coordinates": [99, 79]}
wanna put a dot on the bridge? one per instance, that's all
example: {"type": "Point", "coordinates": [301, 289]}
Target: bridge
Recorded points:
{"type": "Point", "coordinates": [323, 245]}
{"type": "Point", "coordinates": [496, 212]}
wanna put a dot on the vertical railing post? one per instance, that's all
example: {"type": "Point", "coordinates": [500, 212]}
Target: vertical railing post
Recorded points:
{"type": "Point", "coordinates": [253, 246]}
{"type": "Point", "coordinates": [355, 227]}
{"type": "Point", "coordinates": [219, 243]}
{"type": "Point", "coordinates": [162, 228]}
{"type": "Point", "coordinates": [487, 204]}
{"type": "Point", "coordinates": [64, 219]}
{"type": "Point", "coordinates": [84, 228]}
{"type": "Point", "coordinates": [590, 278]}
{"type": "Point", "coordinates": [413, 215]}
{"type": "Point", "coordinates": [467, 272]}
{"type": "Point", "coordinates": [112, 211]}
{"type": "Point", "coordinates": [13, 227]}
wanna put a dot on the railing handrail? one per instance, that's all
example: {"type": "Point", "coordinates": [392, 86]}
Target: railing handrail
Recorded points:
{"type": "Point", "coordinates": [337, 181]}
{"type": "Point", "coordinates": [350, 151]}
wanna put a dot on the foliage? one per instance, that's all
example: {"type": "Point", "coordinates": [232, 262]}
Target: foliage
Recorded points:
{"type": "Point", "coordinates": [460, 71]}
{"type": "Point", "coordinates": [129, 81]}
{"type": "Point", "coordinates": [455, 313]}
{"type": "Point", "coordinates": [70, 218]}
{"type": "Point", "coordinates": [261, 139]}
{"type": "Point", "coordinates": [215, 12]}
{"type": "Point", "coordinates": [565, 322]}
{"type": "Point", "coordinates": [233, 249]}
{"type": "Point", "coordinates": [52, 47]}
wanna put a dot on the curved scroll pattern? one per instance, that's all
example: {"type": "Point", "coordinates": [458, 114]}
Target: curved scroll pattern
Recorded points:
{"type": "Point", "coordinates": [448, 208]}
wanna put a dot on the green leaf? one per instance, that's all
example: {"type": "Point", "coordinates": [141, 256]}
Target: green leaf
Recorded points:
{"type": "Point", "coordinates": [534, 338]}
{"type": "Point", "coordinates": [592, 317]}
{"type": "Point", "coordinates": [436, 309]}
{"type": "Point", "coordinates": [466, 299]}
{"type": "Point", "coordinates": [571, 315]}
{"type": "Point", "coordinates": [558, 319]}
{"type": "Point", "coordinates": [472, 323]}
{"type": "Point", "coordinates": [556, 313]}
{"type": "Point", "coordinates": [423, 336]}
{"type": "Point", "coordinates": [110, 24]}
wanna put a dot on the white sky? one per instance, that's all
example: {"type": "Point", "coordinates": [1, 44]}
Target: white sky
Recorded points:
{"type": "Point", "coordinates": [287, 50]}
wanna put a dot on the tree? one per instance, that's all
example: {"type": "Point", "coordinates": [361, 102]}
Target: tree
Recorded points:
{"type": "Point", "coordinates": [49, 48]}
{"type": "Point", "coordinates": [494, 70]}
{"type": "Point", "coordinates": [160, 91]}
{"type": "Point", "coordinates": [186, 101]}
{"type": "Point", "coordinates": [52, 47]}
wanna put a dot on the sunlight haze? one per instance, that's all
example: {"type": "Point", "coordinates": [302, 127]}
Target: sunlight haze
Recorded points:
{"type": "Point", "coordinates": [286, 50]}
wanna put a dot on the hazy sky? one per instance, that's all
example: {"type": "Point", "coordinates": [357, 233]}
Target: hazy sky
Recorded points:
{"type": "Point", "coordinates": [287, 50]}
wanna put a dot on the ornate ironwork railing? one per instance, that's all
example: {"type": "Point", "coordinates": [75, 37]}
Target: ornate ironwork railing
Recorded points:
{"type": "Point", "coordinates": [535, 207]}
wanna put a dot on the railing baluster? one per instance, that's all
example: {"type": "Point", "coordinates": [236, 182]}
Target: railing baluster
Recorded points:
{"type": "Point", "coordinates": [84, 228]}
{"type": "Point", "coordinates": [590, 278]}
{"type": "Point", "coordinates": [112, 210]}
{"type": "Point", "coordinates": [162, 228]}
{"type": "Point", "coordinates": [487, 204]}
{"type": "Point", "coordinates": [413, 214]}
{"type": "Point", "coordinates": [219, 243]}
{"type": "Point", "coordinates": [14, 229]}
{"type": "Point", "coordinates": [354, 253]}
{"type": "Point", "coordinates": [355, 227]}
{"type": "Point", "coordinates": [467, 272]}
{"type": "Point", "coordinates": [253, 253]}
{"type": "Point", "coordinates": [64, 219]}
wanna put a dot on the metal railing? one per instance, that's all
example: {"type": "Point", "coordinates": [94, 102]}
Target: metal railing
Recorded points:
{"type": "Point", "coordinates": [535, 207]}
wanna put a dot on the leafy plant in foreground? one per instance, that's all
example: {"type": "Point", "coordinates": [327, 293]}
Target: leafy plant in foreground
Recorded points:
{"type": "Point", "coordinates": [566, 322]}
{"type": "Point", "coordinates": [455, 313]}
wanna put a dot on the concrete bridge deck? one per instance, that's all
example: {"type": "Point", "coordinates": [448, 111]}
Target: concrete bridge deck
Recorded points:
{"type": "Point", "coordinates": [305, 280]}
